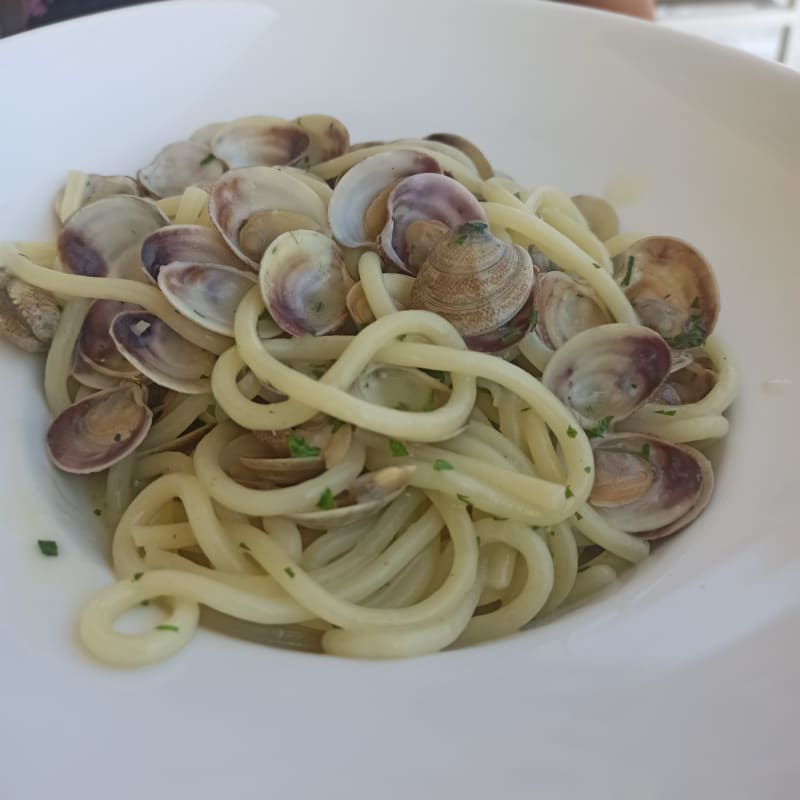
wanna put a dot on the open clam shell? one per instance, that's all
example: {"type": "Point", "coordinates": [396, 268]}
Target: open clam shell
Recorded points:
{"type": "Point", "coordinates": [606, 373]}
{"type": "Point", "coordinates": [91, 435]}
{"type": "Point", "coordinates": [251, 207]}
{"type": "Point", "coordinates": [260, 141]}
{"type": "Point", "coordinates": [425, 198]}
{"type": "Point", "coordinates": [565, 308]}
{"type": "Point", "coordinates": [672, 289]}
{"type": "Point", "coordinates": [649, 487]}
{"type": "Point", "coordinates": [95, 345]}
{"type": "Point", "coordinates": [207, 294]}
{"type": "Point", "coordinates": [599, 214]}
{"type": "Point", "coordinates": [483, 286]}
{"type": "Point", "coordinates": [358, 207]}
{"type": "Point", "coordinates": [82, 188]}
{"type": "Point", "coordinates": [327, 138]}
{"type": "Point", "coordinates": [370, 493]}
{"type": "Point", "coordinates": [194, 243]}
{"type": "Point", "coordinates": [178, 166]}
{"type": "Point", "coordinates": [304, 282]}
{"type": "Point", "coordinates": [161, 354]}
{"type": "Point", "coordinates": [29, 316]}
{"type": "Point", "coordinates": [401, 388]}
{"type": "Point", "coordinates": [104, 239]}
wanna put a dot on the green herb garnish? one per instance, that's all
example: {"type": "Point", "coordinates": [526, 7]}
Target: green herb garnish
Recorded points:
{"type": "Point", "coordinates": [211, 409]}
{"type": "Point", "coordinates": [646, 451]}
{"type": "Point", "coordinates": [440, 465]}
{"type": "Point", "coordinates": [596, 265]}
{"type": "Point", "coordinates": [435, 373]}
{"type": "Point", "coordinates": [137, 576]}
{"type": "Point", "coordinates": [173, 628]}
{"type": "Point", "coordinates": [97, 512]}
{"type": "Point", "coordinates": [628, 272]}
{"type": "Point", "coordinates": [671, 413]}
{"type": "Point", "coordinates": [463, 498]}
{"type": "Point", "coordinates": [695, 303]}
{"type": "Point", "coordinates": [402, 406]}
{"type": "Point", "coordinates": [207, 160]}
{"type": "Point", "coordinates": [244, 546]}
{"type": "Point", "coordinates": [600, 429]}
{"type": "Point", "coordinates": [518, 195]}
{"type": "Point", "coordinates": [48, 547]}
{"type": "Point", "coordinates": [693, 334]}
{"type": "Point", "coordinates": [509, 336]}
{"type": "Point", "coordinates": [264, 315]}
{"type": "Point", "coordinates": [335, 424]}
{"type": "Point", "coordinates": [319, 306]}
{"type": "Point", "coordinates": [571, 432]}
{"type": "Point", "coordinates": [534, 320]}
{"type": "Point", "coordinates": [587, 470]}
{"type": "Point", "coordinates": [398, 448]}
{"type": "Point", "coordinates": [300, 448]}
{"type": "Point", "coordinates": [578, 516]}
{"type": "Point", "coordinates": [568, 492]}
{"type": "Point", "coordinates": [289, 571]}
{"type": "Point", "coordinates": [477, 227]}
{"type": "Point", "coordinates": [461, 239]}
{"type": "Point", "coordinates": [498, 519]}
{"type": "Point", "coordinates": [326, 500]}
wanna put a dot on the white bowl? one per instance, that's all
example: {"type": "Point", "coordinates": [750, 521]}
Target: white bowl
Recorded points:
{"type": "Point", "coordinates": [683, 682]}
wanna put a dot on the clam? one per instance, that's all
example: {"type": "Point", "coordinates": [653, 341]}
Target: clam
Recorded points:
{"type": "Point", "coordinates": [206, 134]}
{"type": "Point", "coordinates": [95, 348]}
{"type": "Point", "coordinates": [649, 487]}
{"type": "Point", "coordinates": [369, 494]}
{"type": "Point", "coordinates": [178, 166]}
{"type": "Point", "coordinates": [29, 316]}
{"type": "Point", "coordinates": [327, 138]}
{"type": "Point", "coordinates": [290, 456]}
{"type": "Point", "coordinates": [88, 377]}
{"type": "Point", "coordinates": [672, 289]}
{"type": "Point", "coordinates": [422, 209]}
{"type": "Point", "coordinates": [304, 282]}
{"type": "Point", "coordinates": [251, 207]}
{"type": "Point", "coordinates": [358, 207]}
{"type": "Point", "coordinates": [479, 160]}
{"type": "Point", "coordinates": [564, 308]}
{"type": "Point", "coordinates": [194, 243]}
{"type": "Point", "coordinates": [82, 188]}
{"type": "Point", "coordinates": [93, 434]}
{"type": "Point", "coordinates": [599, 214]}
{"type": "Point", "coordinates": [401, 388]}
{"type": "Point", "coordinates": [688, 384]}
{"type": "Point", "coordinates": [260, 141]}
{"type": "Point", "coordinates": [606, 373]}
{"type": "Point", "coordinates": [104, 239]}
{"type": "Point", "coordinates": [161, 354]}
{"type": "Point", "coordinates": [207, 294]}
{"type": "Point", "coordinates": [483, 286]}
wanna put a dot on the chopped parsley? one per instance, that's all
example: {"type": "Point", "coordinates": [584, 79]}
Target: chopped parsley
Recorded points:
{"type": "Point", "coordinates": [498, 519]}
{"type": "Point", "coordinates": [646, 451]}
{"type": "Point", "coordinates": [244, 546]}
{"type": "Point", "coordinates": [578, 516]}
{"type": "Point", "coordinates": [300, 448]}
{"type": "Point", "coordinates": [596, 265]}
{"type": "Point", "coordinates": [587, 470]}
{"type": "Point", "coordinates": [48, 547]}
{"type": "Point", "coordinates": [518, 195]}
{"type": "Point", "coordinates": [289, 571]}
{"type": "Point", "coordinates": [211, 410]}
{"type": "Point", "coordinates": [568, 492]}
{"type": "Point", "coordinates": [478, 540]}
{"type": "Point", "coordinates": [670, 413]}
{"type": "Point", "coordinates": [398, 448]}
{"type": "Point", "coordinates": [173, 628]}
{"type": "Point", "coordinates": [600, 429]}
{"type": "Point", "coordinates": [463, 498]}
{"type": "Point", "coordinates": [207, 160]}
{"type": "Point", "coordinates": [534, 320]}
{"type": "Point", "coordinates": [335, 424]}
{"type": "Point", "coordinates": [440, 465]}
{"type": "Point", "coordinates": [264, 315]}
{"type": "Point", "coordinates": [477, 227]}
{"type": "Point", "coordinates": [319, 306]}
{"type": "Point", "coordinates": [571, 432]}
{"type": "Point", "coordinates": [117, 437]}
{"type": "Point", "coordinates": [509, 336]}
{"type": "Point", "coordinates": [137, 576]}
{"type": "Point", "coordinates": [326, 500]}
{"type": "Point", "coordinates": [97, 512]}
{"type": "Point", "coordinates": [402, 406]}
{"type": "Point", "coordinates": [626, 281]}
{"type": "Point", "coordinates": [693, 334]}
{"type": "Point", "coordinates": [695, 303]}
{"type": "Point", "coordinates": [461, 239]}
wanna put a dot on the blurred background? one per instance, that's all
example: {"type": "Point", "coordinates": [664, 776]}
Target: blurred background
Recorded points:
{"type": "Point", "coordinates": [765, 28]}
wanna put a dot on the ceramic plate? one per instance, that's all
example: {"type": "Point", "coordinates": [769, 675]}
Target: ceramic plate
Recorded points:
{"type": "Point", "coordinates": [683, 681]}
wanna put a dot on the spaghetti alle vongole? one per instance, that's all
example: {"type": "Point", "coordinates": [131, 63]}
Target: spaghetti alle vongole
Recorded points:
{"type": "Point", "coordinates": [370, 400]}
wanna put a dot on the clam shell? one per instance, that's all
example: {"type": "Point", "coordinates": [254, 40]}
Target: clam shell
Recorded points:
{"type": "Point", "coordinates": [327, 138]}
{"type": "Point", "coordinates": [359, 187]}
{"type": "Point", "coordinates": [672, 289]}
{"type": "Point", "coordinates": [470, 150]}
{"type": "Point", "coordinates": [241, 193]}
{"type": "Point", "coordinates": [82, 188]}
{"type": "Point", "coordinates": [260, 141]}
{"type": "Point", "coordinates": [304, 283]}
{"type": "Point", "coordinates": [206, 134]}
{"type": "Point", "coordinates": [104, 239]}
{"type": "Point", "coordinates": [207, 294]}
{"type": "Point", "coordinates": [194, 243]}
{"type": "Point", "coordinates": [428, 197]}
{"type": "Point", "coordinates": [400, 388]}
{"type": "Point", "coordinates": [481, 285]}
{"type": "Point", "coordinates": [649, 487]}
{"type": "Point", "coordinates": [29, 316]}
{"type": "Point", "coordinates": [91, 435]}
{"type": "Point", "coordinates": [608, 371]}
{"type": "Point", "coordinates": [178, 166]}
{"type": "Point", "coordinates": [565, 308]}
{"type": "Point", "coordinates": [161, 354]}
{"type": "Point", "coordinates": [95, 346]}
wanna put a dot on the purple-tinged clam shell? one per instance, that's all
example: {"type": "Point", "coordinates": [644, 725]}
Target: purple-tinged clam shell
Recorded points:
{"type": "Point", "coordinates": [95, 345]}
{"type": "Point", "coordinates": [260, 141]}
{"type": "Point", "coordinates": [178, 166]}
{"type": "Point", "coordinates": [328, 138]}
